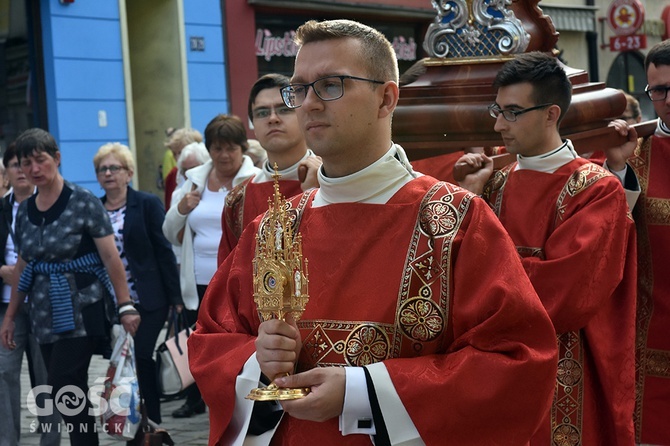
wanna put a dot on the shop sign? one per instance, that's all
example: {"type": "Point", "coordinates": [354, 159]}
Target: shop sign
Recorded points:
{"type": "Point", "coordinates": [655, 28]}
{"type": "Point", "coordinates": [269, 46]}
{"type": "Point", "coordinates": [282, 45]}
{"type": "Point", "coordinates": [628, 43]}
{"type": "Point", "coordinates": [625, 17]}
{"type": "Point", "coordinates": [405, 49]}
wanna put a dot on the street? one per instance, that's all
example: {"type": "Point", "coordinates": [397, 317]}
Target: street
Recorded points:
{"type": "Point", "coordinates": [184, 431]}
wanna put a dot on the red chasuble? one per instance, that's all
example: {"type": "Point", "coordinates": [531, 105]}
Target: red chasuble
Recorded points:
{"type": "Point", "coordinates": [429, 284]}
{"type": "Point", "coordinates": [243, 204]}
{"type": "Point", "coordinates": [576, 238]}
{"type": "Point", "coordinates": [652, 217]}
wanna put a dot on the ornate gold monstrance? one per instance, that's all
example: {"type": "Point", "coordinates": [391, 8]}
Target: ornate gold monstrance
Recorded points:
{"type": "Point", "coordinates": [280, 278]}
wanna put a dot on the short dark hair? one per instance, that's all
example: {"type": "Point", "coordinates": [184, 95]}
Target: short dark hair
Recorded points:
{"type": "Point", "coordinates": [543, 71]}
{"type": "Point", "coordinates": [35, 140]}
{"type": "Point", "coordinates": [226, 129]}
{"type": "Point", "coordinates": [659, 54]}
{"type": "Point", "coordinates": [272, 80]}
{"type": "Point", "coordinates": [9, 154]}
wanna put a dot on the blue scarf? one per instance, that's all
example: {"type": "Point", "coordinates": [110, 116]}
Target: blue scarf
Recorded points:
{"type": "Point", "coordinates": [59, 289]}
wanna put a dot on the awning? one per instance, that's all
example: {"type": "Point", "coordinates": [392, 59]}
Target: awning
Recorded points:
{"type": "Point", "coordinates": [571, 18]}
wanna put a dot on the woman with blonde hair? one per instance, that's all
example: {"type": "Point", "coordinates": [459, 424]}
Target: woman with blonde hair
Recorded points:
{"type": "Point", "coordinates": [177, 141]}
{"type": "Point", "coordinates": [149, 263]}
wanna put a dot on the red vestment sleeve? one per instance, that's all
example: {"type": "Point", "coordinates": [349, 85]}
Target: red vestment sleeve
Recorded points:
{"type": "Point", "coordinates": [585, 256]}
{"type": "Point", "coordinates": [503, 358]}
{"type": "Point", "coordinates": [224, 337]}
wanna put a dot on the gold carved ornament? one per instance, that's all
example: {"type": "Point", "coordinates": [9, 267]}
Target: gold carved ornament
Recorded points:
{"type": "Point", "coordinates": [280, 278]}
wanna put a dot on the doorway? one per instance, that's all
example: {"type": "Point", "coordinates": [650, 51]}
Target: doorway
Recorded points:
{"type": "Point", "coordinates": [627, 73]}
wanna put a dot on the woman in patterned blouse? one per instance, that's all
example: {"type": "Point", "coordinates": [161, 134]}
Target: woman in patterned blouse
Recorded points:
{"type": "Point", "coordinates": [70, 268]}
{"type": "Point", "coordinates": [147, 256]}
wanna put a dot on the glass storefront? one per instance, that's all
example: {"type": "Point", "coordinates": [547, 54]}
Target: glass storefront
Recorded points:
{"type": "Point", "coordinates": [19, 73]}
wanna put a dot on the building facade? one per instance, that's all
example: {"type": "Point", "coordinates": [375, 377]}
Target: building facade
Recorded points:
{"type": "Point", "coordinates": [91, 72]}
{"type": "Point", "coordinates": [585, 33]}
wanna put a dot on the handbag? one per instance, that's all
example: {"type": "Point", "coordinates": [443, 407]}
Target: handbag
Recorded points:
{"type": "Point", "coordinates": [121, 417]}
{"type": "Point", "coordinates": [172, 357]}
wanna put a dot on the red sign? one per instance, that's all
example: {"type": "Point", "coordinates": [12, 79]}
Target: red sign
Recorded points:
{"type": "Point", "coordinates": [628, 43]}
{"type": "Point", "coordinates": [625, 17]}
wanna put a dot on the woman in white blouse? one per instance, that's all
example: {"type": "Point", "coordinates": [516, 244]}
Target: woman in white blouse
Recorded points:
{"type": "Point", "coordinates": [194, 219]}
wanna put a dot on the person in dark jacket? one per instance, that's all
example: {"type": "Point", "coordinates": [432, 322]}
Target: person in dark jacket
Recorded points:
{"type": "Point", "coordinates": [150, 264]}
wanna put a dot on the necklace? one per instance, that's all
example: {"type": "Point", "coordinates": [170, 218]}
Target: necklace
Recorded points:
{"type": "Point", "coordinates": [217, 184]}
{"type": "Point", "coordinates": [112, 205]}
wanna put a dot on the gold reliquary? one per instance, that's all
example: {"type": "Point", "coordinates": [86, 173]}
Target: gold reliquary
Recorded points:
{"type": "Point", "coordinates": [280, 277]}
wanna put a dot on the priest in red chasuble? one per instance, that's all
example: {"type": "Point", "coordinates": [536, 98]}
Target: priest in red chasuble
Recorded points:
{"type": "Point", "coordinates": [570, 223]}
{"type": "Point", "coordinates": [277, 129]}
{"type": "Point", "coordinates": [421, 326]}
{"type": "Point", "coordinates": [650, 161]}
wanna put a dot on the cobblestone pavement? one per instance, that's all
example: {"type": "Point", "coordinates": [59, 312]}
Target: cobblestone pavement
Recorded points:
{"type": "Point", "coordinates": [184, 431]}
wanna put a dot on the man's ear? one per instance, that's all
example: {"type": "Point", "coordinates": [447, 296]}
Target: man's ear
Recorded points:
{"type": "Point", "coordinates": [553, 115]}
{"type": "Point", "coordinates": [390, 95]}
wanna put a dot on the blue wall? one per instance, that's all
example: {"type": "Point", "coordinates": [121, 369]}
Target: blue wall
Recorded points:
{"type": "Point", "coordinates": [207, 80]}
{"type": "Point", "coordinates": [84, 75]}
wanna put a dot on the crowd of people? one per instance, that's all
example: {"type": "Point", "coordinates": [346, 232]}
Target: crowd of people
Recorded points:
{"type": "Point", "coordinates": [529, 302]}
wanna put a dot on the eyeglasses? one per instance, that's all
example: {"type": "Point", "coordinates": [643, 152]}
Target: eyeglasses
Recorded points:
{"type": "Point", "coordinates": [266, 112]}
{"type": "Point", "coordinates": [329, 88]}
{"type": "Point", "coordinates": [112, 169]}
{"type": "Point", "coordinates": [511, 115]}
{"type": "Point", "coordinates": [657, 93]}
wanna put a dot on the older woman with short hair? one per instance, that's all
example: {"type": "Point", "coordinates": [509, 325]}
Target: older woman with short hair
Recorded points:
{"type": "Point", "coordinates": [177, 141]}
{"type": "Point", "coordinates": [194, 219]}
{"type": "Point", "coordinates": [150, 265]}
{"type": "Point", "coordinates": [193, 155]}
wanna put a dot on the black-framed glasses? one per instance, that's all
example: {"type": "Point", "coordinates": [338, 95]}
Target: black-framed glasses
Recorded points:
{"type": "Point", "coordinates": [511, 115]}
{"type": "Point", "coordinates": [657, 93]}
{"type": "Point", "coordinates": [266, 112]}
{"type": "Point", "coordinates": [329, 88]}
{"type": "Point", "coordinates": [112, 169]}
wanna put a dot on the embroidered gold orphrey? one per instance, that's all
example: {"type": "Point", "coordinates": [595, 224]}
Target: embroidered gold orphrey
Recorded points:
{"type": "Point", "coordinates": [233, 212]}
{"type": "Point", "coordinates": [655, 211]}
{"type": "Point", "coordinates": [423, 300]}
{"type": "Point", "coordinates": [567, 407]}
